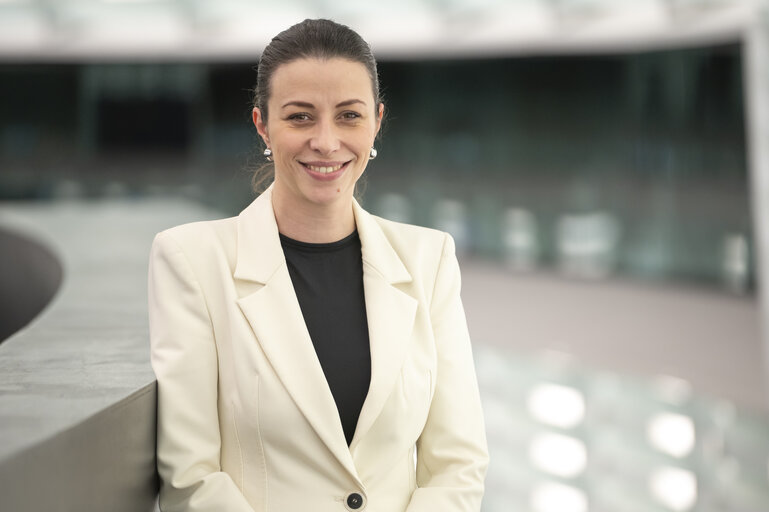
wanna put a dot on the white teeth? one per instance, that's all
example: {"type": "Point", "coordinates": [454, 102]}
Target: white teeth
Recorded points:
{"type": "Point", "coordinates": [325, 170]}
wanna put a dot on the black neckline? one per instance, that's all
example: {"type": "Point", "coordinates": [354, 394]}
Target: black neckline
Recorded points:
{"type": "Point", "coordinates": [325, 246]}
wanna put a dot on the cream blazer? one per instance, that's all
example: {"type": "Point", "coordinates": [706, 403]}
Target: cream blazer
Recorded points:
{"type": "Point", "coordinates": [246, 420]}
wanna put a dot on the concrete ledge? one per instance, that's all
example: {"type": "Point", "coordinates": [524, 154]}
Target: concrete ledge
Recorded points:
{"type": "Point", "coordinates": [106, 462]}
{"type": "Point", "coordinates": [77, 393]}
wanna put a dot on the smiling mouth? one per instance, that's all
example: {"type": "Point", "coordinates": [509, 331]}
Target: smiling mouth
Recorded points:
{"type": "Point", "coordinates": [324, 169]}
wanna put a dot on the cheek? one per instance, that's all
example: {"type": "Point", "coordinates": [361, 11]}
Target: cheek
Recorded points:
{"type": "Point", "coordinates": [367, 141]}
{"type": "Point", "coordinates": [285, 141]}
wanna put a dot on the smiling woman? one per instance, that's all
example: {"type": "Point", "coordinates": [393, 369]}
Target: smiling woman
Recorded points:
{"type": "Point", "coordinates": [308, 353]}
{"type": "Point", "coordinates": [321, 133]}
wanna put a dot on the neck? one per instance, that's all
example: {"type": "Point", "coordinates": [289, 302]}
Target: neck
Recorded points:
{"type": "Point", "coordinates": [313, 223]}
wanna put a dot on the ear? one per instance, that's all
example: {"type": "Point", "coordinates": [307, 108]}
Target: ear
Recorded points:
{"type": "Point", "coordinates": [261, 125]}
{"type": "Point", "coordinates": [379, 116]}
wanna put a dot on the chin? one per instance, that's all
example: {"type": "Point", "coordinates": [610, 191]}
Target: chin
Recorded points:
{"type": "Point", "coordinates": [327, 194]}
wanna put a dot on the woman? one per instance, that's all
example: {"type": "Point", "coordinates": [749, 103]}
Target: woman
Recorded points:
{"type": "Point", "coordinates": [306, 351]}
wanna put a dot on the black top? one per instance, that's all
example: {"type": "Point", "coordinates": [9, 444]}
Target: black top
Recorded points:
{"type": "Point", "coordinates": [328, 281]}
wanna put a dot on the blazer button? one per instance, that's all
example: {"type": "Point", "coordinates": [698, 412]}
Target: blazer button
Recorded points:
{"type": "Point", "coordinates": [354, 501]}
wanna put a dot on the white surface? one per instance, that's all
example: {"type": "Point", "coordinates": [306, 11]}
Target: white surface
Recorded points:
{"type": "Point", "coordinates": [240, 29]}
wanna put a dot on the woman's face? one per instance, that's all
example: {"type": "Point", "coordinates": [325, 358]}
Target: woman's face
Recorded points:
{"type": "Point", "coordinates": [321, 127]}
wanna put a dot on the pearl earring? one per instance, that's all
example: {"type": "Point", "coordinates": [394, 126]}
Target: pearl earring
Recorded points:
{"type": "Point", "coordinates": [372, 154]}
{"type": "Point", "coordinates": [268, 154]}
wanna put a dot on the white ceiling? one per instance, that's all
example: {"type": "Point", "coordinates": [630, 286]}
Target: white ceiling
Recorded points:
{"type": "Point", "coordinates": [239, 29]}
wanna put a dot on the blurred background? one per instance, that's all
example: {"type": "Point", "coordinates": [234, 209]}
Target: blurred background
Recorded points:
{"type": "Point", "coordinates": [595, 161]}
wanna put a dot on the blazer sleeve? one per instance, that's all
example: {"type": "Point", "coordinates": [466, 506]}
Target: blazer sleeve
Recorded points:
{"type": "Point", "coordinates": [452, 454]}
{"type": "Point", "coordinates": [184, 358]}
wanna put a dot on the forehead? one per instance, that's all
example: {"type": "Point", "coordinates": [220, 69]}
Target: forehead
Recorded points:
{"type": "Point", "coordinates": [318, 80]}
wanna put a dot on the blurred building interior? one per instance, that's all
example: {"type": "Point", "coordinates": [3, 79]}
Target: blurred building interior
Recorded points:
{"type": "Point", "coordinates": [599, 164]}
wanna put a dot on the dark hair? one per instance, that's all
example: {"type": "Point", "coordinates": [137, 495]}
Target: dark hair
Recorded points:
{"type": "Point", "coordinates": [321, 39]}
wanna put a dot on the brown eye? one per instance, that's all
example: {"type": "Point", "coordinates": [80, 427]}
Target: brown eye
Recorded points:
{"type": "Point", "coordinates": [299, 116]}
{"type": "Point", "coordinates": [351, 115]}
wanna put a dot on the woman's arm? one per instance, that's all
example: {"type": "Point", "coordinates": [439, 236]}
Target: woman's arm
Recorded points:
{"type": "Point", "coordinates": [184, 359]}
{"type": "Point", "coordinates": [452, 455]}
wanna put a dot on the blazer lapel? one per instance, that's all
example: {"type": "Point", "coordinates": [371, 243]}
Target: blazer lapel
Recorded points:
{"type": "Point", "coordinates": [390, 313]}
{"type": "Point", "coordinates": [275, 316]}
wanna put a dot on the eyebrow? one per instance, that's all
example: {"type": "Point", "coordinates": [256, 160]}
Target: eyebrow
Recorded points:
{"type": "Point", "coordinates": [305, 104]}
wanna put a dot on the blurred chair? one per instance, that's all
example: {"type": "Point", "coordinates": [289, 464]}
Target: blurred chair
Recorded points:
{"type": "Point", "coordinates": [450, 215]}
{"type": "Point", "coordinates": [735, 265]}
{"type": "Point", "coordinates": [395, 207]}
{"type": "Point", "coordinates": [587, 244]}
{"type": "Point", "coordinates": [520, 239]}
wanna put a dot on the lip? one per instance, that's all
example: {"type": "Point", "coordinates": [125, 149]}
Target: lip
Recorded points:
{"type": "Point", "coordinates": [330, 176]}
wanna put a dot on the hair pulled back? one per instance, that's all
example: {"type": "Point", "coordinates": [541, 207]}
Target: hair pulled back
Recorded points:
{"type": "Point", "coordinates": [321, 39]}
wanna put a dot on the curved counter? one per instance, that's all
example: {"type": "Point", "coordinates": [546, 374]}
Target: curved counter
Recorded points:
{"type": "Point", "coordinates": [77, 393]}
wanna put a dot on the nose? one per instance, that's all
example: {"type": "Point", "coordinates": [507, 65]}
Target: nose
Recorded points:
{"type": "Point", "coordinates": [324, 139]}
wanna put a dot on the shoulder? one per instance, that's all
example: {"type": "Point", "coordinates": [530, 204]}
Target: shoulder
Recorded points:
{"type": "Point", "coordinates": [200, 232]}
{"type": "Point", "coordinates": [417, 246]}
{"type": "Point", "coordinates": [199, 240]}
{"type": "Point", "coordinates": [410, 236]}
